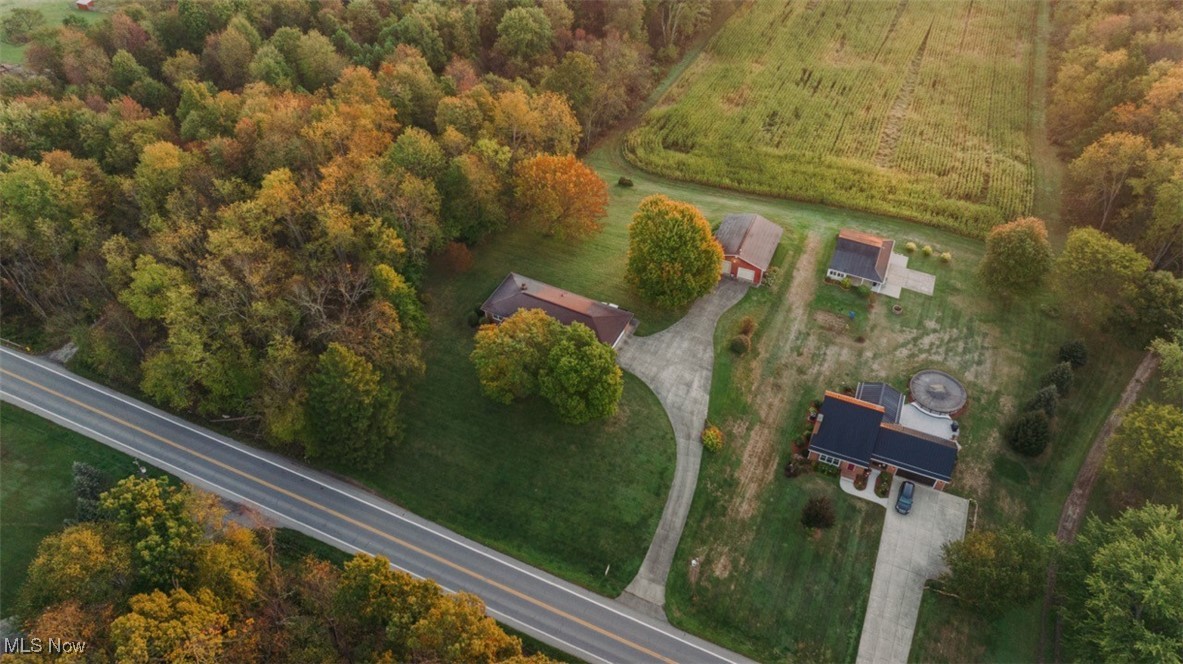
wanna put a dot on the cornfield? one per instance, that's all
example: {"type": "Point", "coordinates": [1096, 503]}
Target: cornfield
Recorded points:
{"type": "Point", "coordinates": [916, 109]}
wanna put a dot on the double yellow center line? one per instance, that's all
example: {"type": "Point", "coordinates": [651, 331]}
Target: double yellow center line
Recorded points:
{"type": "Point", "coordinates": [311, 503]}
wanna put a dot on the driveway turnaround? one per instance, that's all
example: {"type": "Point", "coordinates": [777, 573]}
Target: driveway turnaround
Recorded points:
{"type": "Point", "coordinates": [909, 553]}
{"type": "Point", "coordinates": [561, 614]}
{"type": "Point", "coordinates": [676, 364]}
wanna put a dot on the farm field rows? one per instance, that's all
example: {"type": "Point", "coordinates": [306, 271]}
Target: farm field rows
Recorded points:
{"type": "Point", "coordinates": [918, 109]}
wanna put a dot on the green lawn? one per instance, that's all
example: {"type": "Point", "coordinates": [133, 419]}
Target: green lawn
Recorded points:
{"type": "Point", "coordinates": [36, 487]}
{"type": "Point", "coordinates": [53, 10]}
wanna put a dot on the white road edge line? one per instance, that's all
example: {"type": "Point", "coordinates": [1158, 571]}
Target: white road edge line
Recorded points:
{"type": "Point", "coordinates": [240, 448]}
{"type": "Point", "coordinates": [193, 479]}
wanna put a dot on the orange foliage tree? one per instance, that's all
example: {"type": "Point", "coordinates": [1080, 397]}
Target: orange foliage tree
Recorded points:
{"type": "Point", "coordinates": [561, 196]}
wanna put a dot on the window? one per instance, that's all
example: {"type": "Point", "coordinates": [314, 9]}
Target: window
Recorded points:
{"type": "Point", "coordinates": [826, 458]}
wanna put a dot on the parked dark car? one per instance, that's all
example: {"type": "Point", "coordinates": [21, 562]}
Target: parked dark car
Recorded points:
{"type": "Point", "coordinates": [903, 504]}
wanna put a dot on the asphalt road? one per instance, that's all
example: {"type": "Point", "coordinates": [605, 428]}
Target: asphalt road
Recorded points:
{"type": "Point", "coordinates": [579, 622]}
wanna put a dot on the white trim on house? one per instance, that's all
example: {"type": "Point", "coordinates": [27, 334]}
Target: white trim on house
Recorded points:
{"type": "Point", "coordinates": [832, 460]}
{"type": "Point", "coordinates": [837, 275]}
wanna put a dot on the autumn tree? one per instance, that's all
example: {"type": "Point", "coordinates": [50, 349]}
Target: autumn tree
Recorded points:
{"type": "Point", "coordinates": [407, 80]}
{"type": "Point", "coordinates": [1099, 176]}
{"type": "Point", "coordinates": [160, 172]}
{"type": "Point", "coordinates": [1123, 587]}
{"type": "Point", "coordinates": [173, 627]}
{"type": "Point", "coordinates": [561, 196]}
{"type": "Point", "coordinates": [84, 563]}
{"type": "Point", "coordinates": [456, 630]}
{"type": "Point", "coordinates": [351, 412]}
{"type": "Point", "coordinates": [673, 258]}
{"type": "Point", "coordinates": [1018, 255]}
{"type": "Point", "coordinates": [994, 570]}
{"type": "Point", "coordinates": [580, 377]}
{"type": "Point", "coordinates": [49, 232]}
{"type": "Point", "coordinates": [529, 124]}
{"type": "Point", "coordinates": [68, 621]}
{"type": "Point", "coordinates": [1103, 267]}
{"type": "Point", "coordinates": [510, 356]}
{"type": "Point", "coordinates": [378, 605]}
{"type": "Point", "coordinates": [1144, 458]}
{"type": "Point", "coordinates": [152, 516]}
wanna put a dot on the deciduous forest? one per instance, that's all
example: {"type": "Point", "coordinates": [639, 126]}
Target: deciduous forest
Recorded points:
{"type": "Point", "coordinates": [229, 205]}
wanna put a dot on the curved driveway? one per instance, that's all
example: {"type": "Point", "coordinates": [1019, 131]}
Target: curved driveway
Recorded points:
{"type": "Point", "coordinates": [676, 364]}
{"type": "Point", "coordinates": [562, 614]}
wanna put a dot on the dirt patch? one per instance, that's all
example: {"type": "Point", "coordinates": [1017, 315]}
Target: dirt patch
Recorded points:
{"type": "Point", "coordinates": [721, 568]}
{"type": "Point", "coordinates": [759, 463]}
{"type": "Point", "coordinates": [830, 321]}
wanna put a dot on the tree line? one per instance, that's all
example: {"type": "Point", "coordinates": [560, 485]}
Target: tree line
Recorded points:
{"type": "Point", "coordinates": [1115, 115]}
{"type": "Point", "coordinates": [1119, 585]}
{"type": "Point", "coordinates": [230, 205]}
{"type": "Point", "coordinates": [1102, 282]}
{"type": "Point", "coordinates": [152, 572]}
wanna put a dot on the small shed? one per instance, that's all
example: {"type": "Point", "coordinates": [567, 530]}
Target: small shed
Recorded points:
{"type": "Point", "coordinates": [85, 5]}
{"type": "Point", "coordinates": [749, 242]}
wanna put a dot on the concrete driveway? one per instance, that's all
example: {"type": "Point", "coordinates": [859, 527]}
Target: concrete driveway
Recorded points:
{"type": "Point", "coordinates": [676, 364]}
{"type": "Point", "coordinates": [900, 276]}
{"type": "Point", "coordinates": [909, 553]}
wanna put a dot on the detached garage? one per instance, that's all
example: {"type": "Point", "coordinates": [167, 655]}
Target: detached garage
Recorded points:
{"type": "Point", "coordinates": [749, 241]}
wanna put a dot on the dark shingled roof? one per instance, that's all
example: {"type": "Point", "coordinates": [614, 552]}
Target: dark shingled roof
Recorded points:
{"type": "Point", "coordinates": [518, 292]}
{"type": "Point", "coordinates": [883, 395]}
{"type": "Point", "coordinates": [848, 428]}
{"type": "Point", "coordinates": [856, 430]}
{"type": "Point", "coordinates": [750, 237]}
{"type": "Point", "coordinates": [911, 450]}
{"type": "Point", "coordinates": [862, 255]}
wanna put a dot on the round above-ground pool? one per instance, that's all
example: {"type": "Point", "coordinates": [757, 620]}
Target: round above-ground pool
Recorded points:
{"type": "Point", "coordinates": [937, 391]}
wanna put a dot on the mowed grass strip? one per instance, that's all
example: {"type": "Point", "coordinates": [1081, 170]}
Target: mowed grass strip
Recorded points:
{"type": "Point", "coordinates": [917, 110]}
{"type": "Point", "coordinates": [37, 488]}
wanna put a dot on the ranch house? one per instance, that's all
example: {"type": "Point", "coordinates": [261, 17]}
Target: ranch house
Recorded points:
{"type": "Point", "coordinates": [861, 257]}
{"type": "Point", "coordinates": [611, 324]}
{"type": "Point", "coordinates": [871, 430]}
{"type": "Point", "coordinates": [749, 241]}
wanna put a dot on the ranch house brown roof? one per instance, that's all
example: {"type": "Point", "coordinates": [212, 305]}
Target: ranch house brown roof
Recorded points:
{"type": "Point", "coordinates": [749, 237]}
{"type": "Point", "coordinates": [516, 292]}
